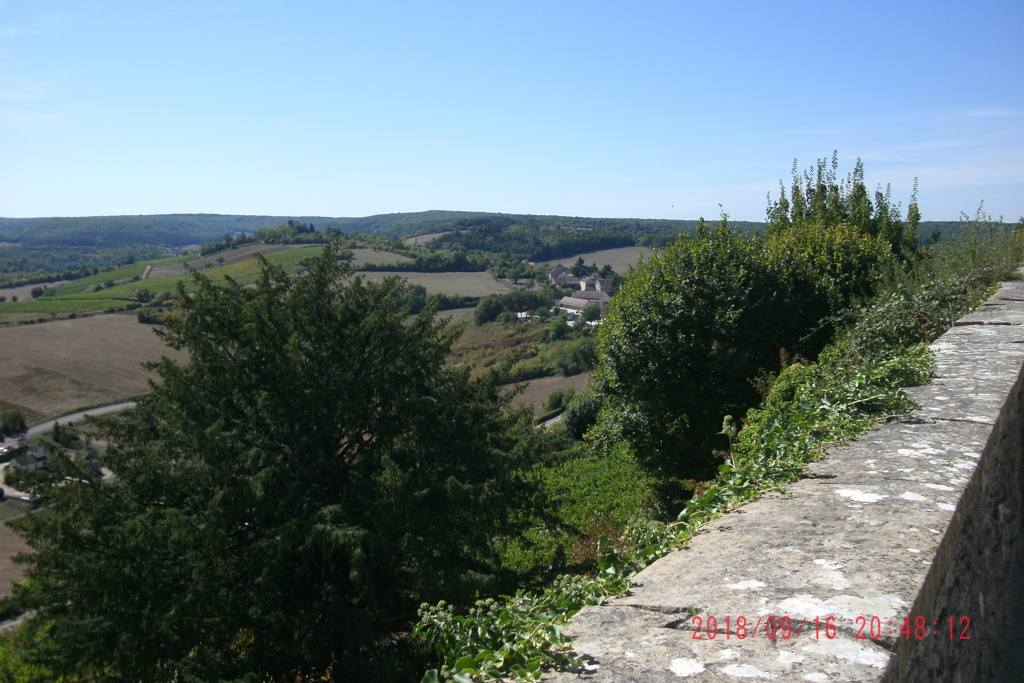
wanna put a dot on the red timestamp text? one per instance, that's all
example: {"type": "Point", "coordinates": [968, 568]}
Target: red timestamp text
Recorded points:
{"type": "Point", "coordinates": [710, 627]}
{"type": "Point", "coordinates": [914, 628]}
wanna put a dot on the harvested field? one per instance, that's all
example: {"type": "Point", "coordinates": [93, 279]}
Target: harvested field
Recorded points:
{"type": "Point", "coordinates": [424, 239]}
{"type": "Point", "coordinates": [539, 389]}
{"type": "Point", "coordinates": [456, 284]}
{"type": "Point", "coordinates": [376, 257]}
{"type": "Point", "coordinates": [459, 315]}
{"type": "Point", "coordinates": [619, 259]}
{"type": "Point", "coordinates": [49, 369]}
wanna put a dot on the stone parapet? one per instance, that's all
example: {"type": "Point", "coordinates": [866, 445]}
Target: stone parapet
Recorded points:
{"type": "Point", "coordinates": [919, 519]}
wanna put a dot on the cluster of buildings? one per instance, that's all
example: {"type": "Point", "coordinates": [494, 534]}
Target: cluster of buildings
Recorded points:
{"type": "Point", "coordinates": [22, 456]}
{"type": "Point", "coordinates": [589, 289]}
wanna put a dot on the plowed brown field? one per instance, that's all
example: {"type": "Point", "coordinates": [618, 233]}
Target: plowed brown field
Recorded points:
{"type": "Point", "coordinates": [49, 369]}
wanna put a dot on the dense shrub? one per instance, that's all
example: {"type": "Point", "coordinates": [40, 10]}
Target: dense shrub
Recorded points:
{"type": "Point", "coordinates": [581, 413]}
{"type": "Point", "coordinates": [695, 323]}
{"type": "Point", "coordinates": [11, 422]}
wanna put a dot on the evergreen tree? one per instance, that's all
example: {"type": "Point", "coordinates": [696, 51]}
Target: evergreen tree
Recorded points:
{"type": "Point", "coordinates": [281, 503]}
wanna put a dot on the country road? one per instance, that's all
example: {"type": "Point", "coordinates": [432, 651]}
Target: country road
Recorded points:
{"type": "Point", "coordinates": [75, 417]}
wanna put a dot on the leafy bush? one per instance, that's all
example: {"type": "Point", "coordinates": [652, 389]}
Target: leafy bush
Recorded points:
{"type": "Point", "coordinates": [559, 329]}
{"type": "Point", "coordinates": [12, 422]}
{"type": "Point", "coordinates": [559, 398]}
{"type": "Point", "coordinates": [695, 323]}
{"type": "Point", "coordinates": [581, 413]}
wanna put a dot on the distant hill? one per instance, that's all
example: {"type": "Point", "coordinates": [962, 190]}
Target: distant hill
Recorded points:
{"type": "Point", "coordinates": [181, 229]}
{"type": "Point", "coordinates": [176, 230]}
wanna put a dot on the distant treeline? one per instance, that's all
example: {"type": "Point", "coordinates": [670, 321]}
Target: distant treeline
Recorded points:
{"type": "Point", "coordinates": [528, 239]}
{"type": "Point", "coordinates": [183, 229]}
{"type": "Point", "coordinates": [469, 243]}
{"type": "Point", "coordinates": [178, 230]}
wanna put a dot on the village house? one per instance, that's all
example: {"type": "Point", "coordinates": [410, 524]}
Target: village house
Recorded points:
{"type": "Point", "coordinates": [572, 304]}
{"type": "Point", "coordinates": [602, 298]}
{"type": "Point", "coordinates": [596, 283]}
{"type": "Point", "coordinates": [561, 276]}
{"type": "Point", "coordinates": [34, 458]}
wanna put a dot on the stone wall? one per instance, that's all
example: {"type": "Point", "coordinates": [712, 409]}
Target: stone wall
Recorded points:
{"type": "Point", "coordinates": [920, 518]}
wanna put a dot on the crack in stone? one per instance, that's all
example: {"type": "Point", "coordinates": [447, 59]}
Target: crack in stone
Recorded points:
{"type": "Point", "coordinates": [960, 419]}
{"type": "Point", "coordinates": [970, 323]}
{"type": "Point", "coordinates": [676, 623]}
{"type": "Point", "coordinates": [913, 420]}
{"type": "Point", "coordinates": [662, 609]}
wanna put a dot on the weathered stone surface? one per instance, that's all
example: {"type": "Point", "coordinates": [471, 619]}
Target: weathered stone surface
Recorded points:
{"type": "Point", "coordinates": [919, 519]}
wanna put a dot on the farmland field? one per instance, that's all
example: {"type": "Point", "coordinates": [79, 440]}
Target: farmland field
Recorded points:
{"type": "Point", "coordinates": [619, 259]}
{"type": "Point", "coordinates": [459, 315]}
{"type": "Point", "coordinates": [375, 257]}
{"type": "Point", "coordinates": [24, 292]}
{"type": "Point", "coordinates": [424, 239]}
{"type": "Point", "coordinates": [230, 256]}
{"type": "Point", "coordinates": [89, 294]}
{"type": "Point", "coordinates": [87, 283]}
{"type": "Point", "coordinates": [539, 389]}
{"type": "Point", "coordinates": [49, 369]}
{"type": "Point", "coordinates": [455, 284]}
{"type": "Point", "coordinates": [48, 305]}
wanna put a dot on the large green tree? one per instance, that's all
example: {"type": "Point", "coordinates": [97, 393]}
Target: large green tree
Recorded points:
{"type": "Point", "coordinates": [697, 322]}
{"type": "Point", "coordinates": [281, 503]}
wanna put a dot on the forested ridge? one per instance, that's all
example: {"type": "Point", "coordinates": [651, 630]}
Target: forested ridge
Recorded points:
{"type": "Point", "coordinates": [47, 249]}
{"type": "Point", "coordinates": [176, 230]}
{"type": "Point", "coordinates": [184, 229]}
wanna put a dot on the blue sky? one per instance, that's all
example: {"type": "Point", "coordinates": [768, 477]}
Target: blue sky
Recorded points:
{"type": "Point", "coordinates": [619, 109]}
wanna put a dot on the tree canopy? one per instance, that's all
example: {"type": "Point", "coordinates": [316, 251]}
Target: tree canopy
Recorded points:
{"type": "Point", "coordinates": [699, 321]}
{"type": "Point", "coordinates": [283, 502]}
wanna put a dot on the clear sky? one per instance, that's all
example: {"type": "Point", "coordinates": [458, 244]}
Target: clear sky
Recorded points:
{"type": "Point", "coordinates": [652, 109]}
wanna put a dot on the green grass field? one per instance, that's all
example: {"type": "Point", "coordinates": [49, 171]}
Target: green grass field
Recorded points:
{"type": "Point", "coordinates": [75, 297]}
{"type": "Point", "coordinates": [55, 305]}
{"type": "Point", "coordinates": [81, 284]}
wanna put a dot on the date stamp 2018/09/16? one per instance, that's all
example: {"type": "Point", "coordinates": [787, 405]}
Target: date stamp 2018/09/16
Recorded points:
{"type": "Point", "coordinates": [708, 627]}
